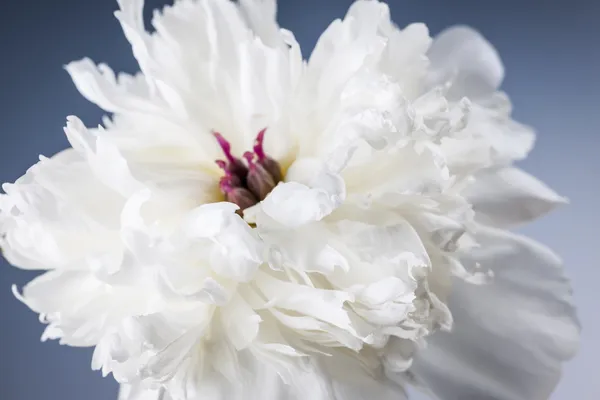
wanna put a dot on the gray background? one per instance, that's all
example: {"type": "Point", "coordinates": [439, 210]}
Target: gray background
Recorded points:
{"type": "Point", "coordinates": [552, 57]}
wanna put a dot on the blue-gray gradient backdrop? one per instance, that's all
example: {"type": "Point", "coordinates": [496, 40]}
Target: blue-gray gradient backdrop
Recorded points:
{"type": "Point", "coordinates": [551, 52]}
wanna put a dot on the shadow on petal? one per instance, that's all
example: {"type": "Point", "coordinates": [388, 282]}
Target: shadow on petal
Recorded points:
{"type": "Point", "coordinates": [509, 337]}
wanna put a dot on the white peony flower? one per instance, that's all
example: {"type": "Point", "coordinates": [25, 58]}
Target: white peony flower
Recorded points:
{"type": "Point", "coordinates": [250, 225]}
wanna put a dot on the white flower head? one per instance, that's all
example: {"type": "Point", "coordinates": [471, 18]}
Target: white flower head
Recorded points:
{"type": "Point", "coordinates": [247, 224]}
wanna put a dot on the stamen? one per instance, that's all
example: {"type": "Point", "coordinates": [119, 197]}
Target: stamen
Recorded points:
{"type": "Point", "coordinates": [258, 180]}
{"type": "Point", "coordinates": [233, 179]}
{"type": "Point", "coordinates": [236, 166]}
{"type": "Point", "coordinates": [225, 146]}
{"type": "Point", "coordinates": [237, 194]}
{"type": "Point", "coordinates": [249, 156]}
{"type": "Point", "coordinates": [222, 164]}
{"type": "Point", "coordinates": [246, 185]}
{"type": "Point", "coordinates": [268, 163]}
{"type": "Point", "coordinates": [258, 145]}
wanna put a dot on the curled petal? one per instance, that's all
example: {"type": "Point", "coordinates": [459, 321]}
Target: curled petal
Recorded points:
{"type": "Point", "coordinates": [237, 252]}
{"type": "Point", "coordinates": [511, 336]}
{"type": "Point", "coordinates": [294, 204]}
{"type": "Point", "coordinates": [461, 56]}
{"type": "Point", "coordinates": [506, 197]}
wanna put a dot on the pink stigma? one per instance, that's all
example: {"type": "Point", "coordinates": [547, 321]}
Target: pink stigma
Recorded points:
{"type": "Point", "coordinates": [225, 146]}
{"type": "Point", "coordinates": [249, 156]}
{"type": "Point", "coordinates": [246, 184]}
{"type": "Point", "coordinates": [222, 164]}
{"type": "Point", "coordinates": [258, 145]}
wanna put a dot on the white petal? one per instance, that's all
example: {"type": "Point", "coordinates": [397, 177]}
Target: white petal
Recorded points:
{"type": "Point", "coordinates": [406, 171]}
{"type": "Point", "coordinates": [209, 220]}
{"type": "Point", "coordinates": [462, 56]}
{"type": "Point", "coordinates": [137, 236]}
{"type": "Point", "coordinates": [105, 159]}
{"type": "Point", "coordinates": [51, 217]}
{"type": "Point", "coordinates": [165, 363]}
{"type": "Point", "coordinates": [179, 294]}
{"type": "Point", "coordinates": [510, 337]}
{"type": "Point", "coordinates": [80, 307]}
{"type": "Point", "coordinates": [339, 53]}
{"type": "Point", "coordinates": [237, 252]}
{"type": "Point", "coordinates": [294, 204]}
{"type": "Point", "coordinates": [326, 305]}
{"type": "Point", "coordinates": [138, 392]}
{"type": "Point", "coordinates": [385, 243]}
{"type": "Point", "coordinates": [509, 196]}
{"type": "Point", "coordinates": [349, 381]}
{"type": "Point", "coordinates": [131, 17]}
{"type": "Point", "coordinates": [305, 249]}
{"type": "Point", "coordinates": [72, 303]}
{"type": "Point", "coordinates": [261, 18]}
{"type": "Point", "coordinates": [99, 85]}
{"type": "Point", "coordinates": [213, 292]}
{"type": "Point", "coordinates": [57, 291]}
{"type": "Point", "coordinates": [507, 140]}
{"type": "Point", "coordinates": [240, 323]}
{"type": "Point", "coordinates": [404, 55]}
{"type": "Point", "coordinates": [370, 390]}
{"type": "Point", "coordinates": [75, 187]}
{"type": "Point", "coordinates": [176, 187]}
{"type": "Point", "coordinates": [265, 383]}
{"type": "Point", "coordinates": [387, 290]}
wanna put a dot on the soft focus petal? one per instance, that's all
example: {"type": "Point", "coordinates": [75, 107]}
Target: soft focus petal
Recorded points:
{"type": "Point", "coordinates": [507, 139]}
{"type": "Point", "coordinates": [99, 85]}
{"type": "Point", "coordinates": [350, 383]}
{"type": "Point", "coordinates": [342, 381]}
{"type": "Point", "coordinates": [509, 196]}
{"type": "Point", "coordinates": [136, 392]}
{"type": "Point", "coordinates": [261, 19]}
{"type": "Point", "coordinates": [356, 204]}
{"type": "Point", "coordinates": [509, 337]}
{"type": "Point", "coordinates": [462, 57]}
{"type": "Point", "coordinates": [51, 217]}
{"type": "Point", "coordinates": [105, 159]}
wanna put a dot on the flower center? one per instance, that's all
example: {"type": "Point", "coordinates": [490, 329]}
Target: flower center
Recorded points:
{"type": "Point", "coordinates": [247, 183]}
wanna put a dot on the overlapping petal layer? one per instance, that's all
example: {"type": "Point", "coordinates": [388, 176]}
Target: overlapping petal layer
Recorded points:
{"type": "Point", "coordinates": [381, 245]}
